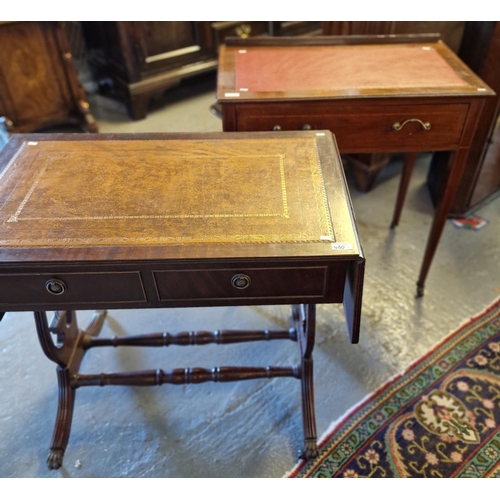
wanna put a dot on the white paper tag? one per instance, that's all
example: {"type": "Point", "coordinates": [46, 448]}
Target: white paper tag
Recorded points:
{"type": "Point", "coordinates": [31, 143]}
{"type": "Point", "coordinates": [341, 246]}
{"type": "Point", "coordinates": [232, 94]}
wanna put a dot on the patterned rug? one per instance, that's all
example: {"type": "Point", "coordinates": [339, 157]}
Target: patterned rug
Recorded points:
{"type": "Point", "coordinates": [440, 418]}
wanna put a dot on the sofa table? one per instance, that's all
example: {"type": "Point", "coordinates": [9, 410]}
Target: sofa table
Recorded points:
{"type": "Point", "coordinates": [376, 94]}
{"type": "Point", "coordinates": [175, 220]}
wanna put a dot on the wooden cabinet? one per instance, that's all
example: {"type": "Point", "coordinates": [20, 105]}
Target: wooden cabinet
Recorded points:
{"type": "Point", "coordinates": [144, 58]}
{"type": "Point", "coordinates": [38, 83]}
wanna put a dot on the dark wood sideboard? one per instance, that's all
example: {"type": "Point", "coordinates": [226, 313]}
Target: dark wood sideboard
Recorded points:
{"type": "Point", "coordinates": [39, 85]}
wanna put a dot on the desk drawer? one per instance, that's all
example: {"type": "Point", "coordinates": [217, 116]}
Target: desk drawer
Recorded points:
{"type": "Point", "coordinates": [364, 128]}
{"type": "Point", "coordinates": [240, 283]}
{"type": "Point", "coordinates": [82, 288]}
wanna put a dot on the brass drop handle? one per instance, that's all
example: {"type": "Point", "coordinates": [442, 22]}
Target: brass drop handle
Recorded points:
{"type": "Point", "coordinates": [241, 281]}
{"type": "Point", "coordinates": [398, 126]}
{"type": "Point", "coordinates": [277, 128]}
{"type": "Point", "coordinates": [306, 126]}
{"type": "Point", "coordinates": [55, 287]}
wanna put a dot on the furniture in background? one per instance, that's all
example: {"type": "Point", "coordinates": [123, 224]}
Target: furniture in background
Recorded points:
{"type": "Point", "coordinates": [369, 91]}
{"type": "Point", "coordinates": [39, 86]}
{"type": "Point", "coordinates": [207, 234]}
{"type": "Point", "coordinates": [141, 59]}
{"type": "Point", "coordinates": [480, 50]}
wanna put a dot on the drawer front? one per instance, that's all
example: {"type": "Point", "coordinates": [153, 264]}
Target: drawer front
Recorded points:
{"type": "Point", "coordinates": [71, 288]}
{"type": "Point", "coordinates": [364, 128]}
{"type": "Point", "coordinates": [253, 283]}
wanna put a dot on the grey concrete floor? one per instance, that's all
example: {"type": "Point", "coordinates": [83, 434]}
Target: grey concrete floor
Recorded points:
{"type": "Point", "coordinates": [253, 428]}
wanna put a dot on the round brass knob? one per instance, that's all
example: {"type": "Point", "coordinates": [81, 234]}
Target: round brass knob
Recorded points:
{"type": "Point", "coordinates": [277, 128]}
{"type": "Point", "coordinates": [55, 287]}
{"type": "Point", "coordinates": [306, 126]}
{"type": "Point", "coordinates": [241, 281]}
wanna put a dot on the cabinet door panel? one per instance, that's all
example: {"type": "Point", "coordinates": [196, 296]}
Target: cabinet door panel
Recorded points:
{"type": "Point", "coordinates": [161, 37]}
{"type": "Point", "coordinates": [32, 81]}
{"type": "Point", "coordinates": [167, 45]}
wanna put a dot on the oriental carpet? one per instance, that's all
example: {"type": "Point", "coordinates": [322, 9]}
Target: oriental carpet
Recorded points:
{"type": "Point", "coordinates": [439, 418]}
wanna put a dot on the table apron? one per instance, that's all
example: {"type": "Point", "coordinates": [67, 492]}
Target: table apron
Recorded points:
{"type": "Point", "coordinates": [173, 286]}
{"type": "Point", "coordinates": [372, 128]}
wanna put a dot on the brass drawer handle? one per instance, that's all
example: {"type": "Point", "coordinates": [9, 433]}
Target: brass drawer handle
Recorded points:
{"type": "Point", "coordinates": [241, 281]}
{"type": "Point", "coordinates": [277, 128]}
{"type": "Point", "coordinates": [398, 126]}
{"type": "Point", "coordinates": [306, 126]}
{"type": "Point", "coordinates": [56, 287]}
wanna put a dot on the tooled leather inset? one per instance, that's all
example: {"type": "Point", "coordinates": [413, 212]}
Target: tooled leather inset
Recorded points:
{"type": "Point", "coordinates": [165, 192]}
{"type": "Point", "coordinates": [289, 69]}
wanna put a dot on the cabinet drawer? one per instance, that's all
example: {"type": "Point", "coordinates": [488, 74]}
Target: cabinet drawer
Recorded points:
{"type": "Point", "coordinates": [81, 288]}
{"type": "Point", "coordinates": [276, 283]}
{"type": "Point", "coordinates": [364, 127]}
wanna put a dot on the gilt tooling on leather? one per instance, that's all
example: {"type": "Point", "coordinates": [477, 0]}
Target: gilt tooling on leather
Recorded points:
{"type": "Point", "coordinates": [163, 192]}
{"type": "Point", "coordinates": [288, 69]}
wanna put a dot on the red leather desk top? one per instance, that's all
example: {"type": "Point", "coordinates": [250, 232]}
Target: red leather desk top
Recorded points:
{"type": "Point", "coordinates": [342, 67]}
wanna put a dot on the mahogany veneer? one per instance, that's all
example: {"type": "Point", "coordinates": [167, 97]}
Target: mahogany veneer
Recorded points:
{"type": "Point", "coordinates": [376, 94]}
{"type": "Point", "coordinates": [175, 220]}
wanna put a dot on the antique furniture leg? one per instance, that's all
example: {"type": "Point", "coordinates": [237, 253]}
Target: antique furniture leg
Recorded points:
{"type": "Point", "coordinates": [86, 118]}
{"type": "Point", "coordinates": [403, 187]}
{"type": "Point", "coordinates": [304, 317]}
{"type": "Point", "coordinates": [138, 106]}
{"type": "Point", "coordinates": [68, 353]}
{"type": "Point", "coordinates": [455, 169]}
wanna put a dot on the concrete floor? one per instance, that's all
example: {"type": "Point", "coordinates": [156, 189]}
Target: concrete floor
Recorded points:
{"type": "Point", "coordinates": [247, 429]}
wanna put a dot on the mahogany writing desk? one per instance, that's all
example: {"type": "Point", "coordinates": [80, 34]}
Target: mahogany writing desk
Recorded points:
{"type": "Point", "coordinates": [376, 94]}
{"type": "Point", "coordinates": [171, 220]}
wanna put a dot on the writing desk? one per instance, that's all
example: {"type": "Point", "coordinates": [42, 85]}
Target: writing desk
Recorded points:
{"type": "Point", "coordinates": [175, 220]}
{"type": "Point", "coordinates": [376, 94]}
